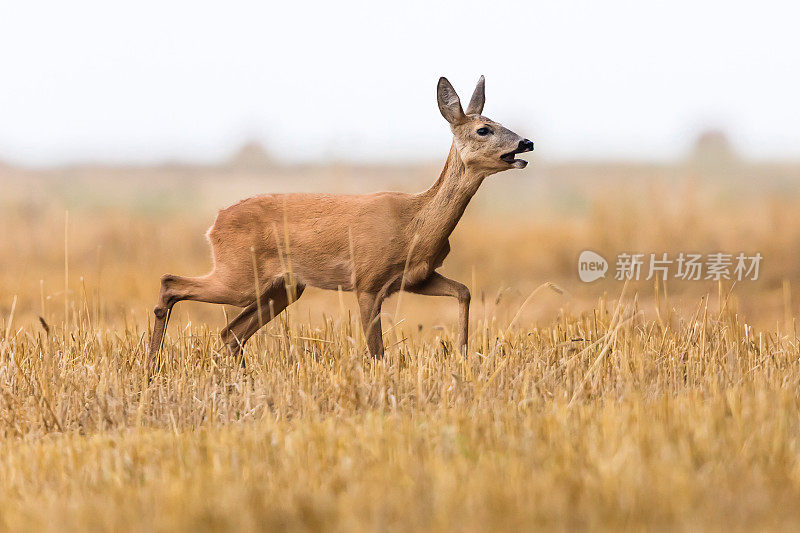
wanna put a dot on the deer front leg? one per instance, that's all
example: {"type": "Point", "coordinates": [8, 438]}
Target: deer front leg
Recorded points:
{"type": "Point", "coordinates": [370, 306]}
{"type": "Point", "coordinates": [438, 285]}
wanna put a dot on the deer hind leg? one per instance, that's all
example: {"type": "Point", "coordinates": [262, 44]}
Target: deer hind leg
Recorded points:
{"type": "Point", "coordinates": [270, 304]}
{"type": "Point", "coordinates": [438, 285]}
{"type": "Point", "coordinates": [177, 288]}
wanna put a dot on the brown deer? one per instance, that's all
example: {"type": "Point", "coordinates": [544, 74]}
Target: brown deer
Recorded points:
{"type": "Point", "coordinates": [266, 250]}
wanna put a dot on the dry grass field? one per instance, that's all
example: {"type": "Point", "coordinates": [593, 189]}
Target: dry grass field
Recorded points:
{"type": "Point", "coordinates": [599, 406]}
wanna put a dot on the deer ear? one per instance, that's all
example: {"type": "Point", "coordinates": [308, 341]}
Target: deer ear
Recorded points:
{"type": "Point", "coordinates": [449, 104]}
{"type": "Point", "coordinates": [475, 106]}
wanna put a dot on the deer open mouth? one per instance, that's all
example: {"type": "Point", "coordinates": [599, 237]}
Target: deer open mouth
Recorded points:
{"type": "Point", "coordinates": [525, 146]}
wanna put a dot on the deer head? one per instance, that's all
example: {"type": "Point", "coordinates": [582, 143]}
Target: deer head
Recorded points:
{"type": "Point", "coordinates": [483, 144]}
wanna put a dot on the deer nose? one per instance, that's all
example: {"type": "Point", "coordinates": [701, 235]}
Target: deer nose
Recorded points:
{"type": "Point", "coordinates": [525, 145]}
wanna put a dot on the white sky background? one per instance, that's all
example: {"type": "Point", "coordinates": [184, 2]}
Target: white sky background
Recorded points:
{"type": "Point", "coordinates": [150, 81]}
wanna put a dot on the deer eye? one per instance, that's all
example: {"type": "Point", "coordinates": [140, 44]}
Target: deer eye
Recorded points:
{"type": "Point", "coordinates": [483, 131]}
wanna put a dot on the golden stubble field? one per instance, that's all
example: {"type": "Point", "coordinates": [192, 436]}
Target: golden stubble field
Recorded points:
{"type": "Point", "coordinates": [597, 405]}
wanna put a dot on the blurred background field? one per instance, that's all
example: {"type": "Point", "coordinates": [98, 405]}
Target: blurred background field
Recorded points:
{"type": "Point", "coordinates": [128, 225]}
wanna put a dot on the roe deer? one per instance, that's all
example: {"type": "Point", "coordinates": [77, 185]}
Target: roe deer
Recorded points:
{"type": "Point", "coordinates": [267, 249]}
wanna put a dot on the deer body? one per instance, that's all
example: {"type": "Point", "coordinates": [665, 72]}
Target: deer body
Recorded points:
{"type": "Point", "coordinates": [311, 234]}
{"type": "Point", "coordinates": [267, 249]}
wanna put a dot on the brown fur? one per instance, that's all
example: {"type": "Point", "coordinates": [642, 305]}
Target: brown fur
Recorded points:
{"type": "Point", "coordinates": [371, 244]}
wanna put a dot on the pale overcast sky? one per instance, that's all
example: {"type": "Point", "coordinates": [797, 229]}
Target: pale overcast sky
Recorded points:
{"type": "Point", "coordinates": [148, 81]}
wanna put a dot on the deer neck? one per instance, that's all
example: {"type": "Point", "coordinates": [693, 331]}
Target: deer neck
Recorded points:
{"type": "Point", "coordinates": [443, 204]}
